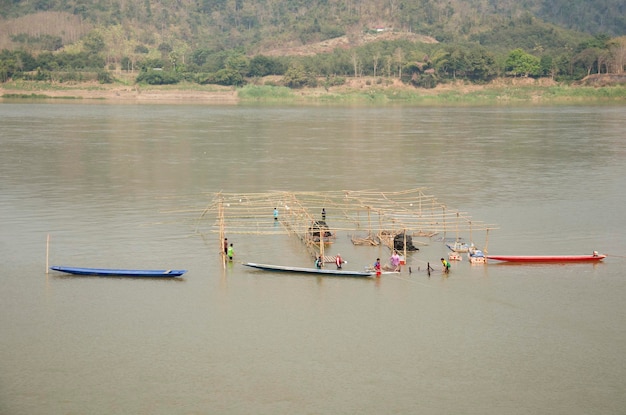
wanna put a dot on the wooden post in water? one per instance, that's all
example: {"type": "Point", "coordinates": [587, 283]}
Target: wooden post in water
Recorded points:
{"type": "Point", "coordinates": [486, 248]}
{"type": "Point", "coordinates": [443, 217]}
{"type": "Point", "coordinates": [220, 215]}
{"type": "Point", "coordinates": [47, 252]}
{"type": "Point", "coordinates": [404, 246]}
{"type": "Point", "coordinates": [322, 235]}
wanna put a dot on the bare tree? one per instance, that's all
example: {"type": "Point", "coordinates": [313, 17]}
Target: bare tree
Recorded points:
{"type": "Point", "coordinates": [603, 60]}
{"type": "Point", "coordinates": [389, 63]}
{"type": "Point", "coordinates": [398, 56]}
{"type": "Point", "coordinates": [618, 52]}
{"type": "Point", "coordinates": [588, 58]}
{"type": "Point", "coordinates": [376, 59]}
{"type": "Point", "coordinates": [355, 63]}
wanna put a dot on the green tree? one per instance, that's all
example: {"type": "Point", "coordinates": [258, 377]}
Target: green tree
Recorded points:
{"type": "Point", "coordinates": [296, 76]}
{"type": "Point", "coordinates": [520, 63]}
{"type": "Point", "coordinates": [239, 63]}
{"type": "Point", "coordinates": [228, 76]}
{"type": "Point", "coordinates": [94, 43]}
{"type": "Point", "coordinates": [480, 65]}
{"type": "Point", "coordinates": [457, 62]}
{"type": "Point", "coordinates": [199, 56]}
{"type": "Point", "coordinates": [263, 65]}
{"type": "Point", "coordinates": [8, 66]}
{"type": "Point", "coordinates": [548, 66]}
{"type": "Point", "coordinates": [588, 59]}
{"type": "Point", "coordinates": [440, 61]}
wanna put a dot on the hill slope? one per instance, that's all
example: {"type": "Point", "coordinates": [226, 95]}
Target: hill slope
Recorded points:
{"type": "Point", "coordinates": [265, 25]}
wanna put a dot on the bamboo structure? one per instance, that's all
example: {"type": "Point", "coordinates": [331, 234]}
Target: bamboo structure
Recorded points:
{"type": "Point", "coordinates": [380, 215]}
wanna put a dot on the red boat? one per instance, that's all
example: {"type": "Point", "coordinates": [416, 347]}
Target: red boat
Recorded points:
{"type": "Point", "coordinates": [548, 258]}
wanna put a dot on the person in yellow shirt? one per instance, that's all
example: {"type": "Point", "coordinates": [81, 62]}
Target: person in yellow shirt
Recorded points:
{"type": "Point", "coordinates": [446, 265]}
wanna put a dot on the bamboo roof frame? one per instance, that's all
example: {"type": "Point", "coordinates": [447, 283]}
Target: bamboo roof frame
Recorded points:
{"type": "Point", "coordinates": [412, 212]}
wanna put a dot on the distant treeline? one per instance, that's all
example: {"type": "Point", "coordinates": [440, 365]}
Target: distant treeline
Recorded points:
{"type": "Point", "coordinates": [421, 64]}
{"type": "Point", "coordinates": [231, 42]}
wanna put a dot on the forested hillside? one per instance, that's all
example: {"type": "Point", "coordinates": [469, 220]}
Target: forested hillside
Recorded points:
{"type": "Point", "coordinates": [228, 41]}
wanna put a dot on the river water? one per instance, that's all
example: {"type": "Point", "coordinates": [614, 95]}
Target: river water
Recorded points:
{"type": "Point", "coordinates": [122, 186]}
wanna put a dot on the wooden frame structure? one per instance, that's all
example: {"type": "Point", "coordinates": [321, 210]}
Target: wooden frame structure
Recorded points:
{"type": "Point", "coordinates": [377, 216]}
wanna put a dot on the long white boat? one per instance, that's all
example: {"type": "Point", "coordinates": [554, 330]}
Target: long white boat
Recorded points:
{"type": "Point", "coordinates": [318, 271]}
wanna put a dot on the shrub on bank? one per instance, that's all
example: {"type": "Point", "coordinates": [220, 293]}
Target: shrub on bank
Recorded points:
{"type": "Point", "coordinates": [158, 77]}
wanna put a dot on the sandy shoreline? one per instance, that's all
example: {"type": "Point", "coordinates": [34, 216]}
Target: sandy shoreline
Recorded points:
{"type": "Point", "coordinates": [504, 90]}
{"type": "Point", "coordinates": [129, 94]}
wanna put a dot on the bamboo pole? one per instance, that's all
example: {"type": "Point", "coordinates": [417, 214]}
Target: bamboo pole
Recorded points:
{"type": "Point", "coordinates": [222, 235]}
{"type": "Point", "coordinates": [404, 245]}
{"type": "Point", "coordinates": [47, 253]}
{"type": "Point", "coordinates": [443, 214]}
{"type": "Point", "coordinates": [486, 248]}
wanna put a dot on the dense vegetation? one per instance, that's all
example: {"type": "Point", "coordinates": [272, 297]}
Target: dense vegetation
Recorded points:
{"type": "Point", "coordinates": [233, 42]}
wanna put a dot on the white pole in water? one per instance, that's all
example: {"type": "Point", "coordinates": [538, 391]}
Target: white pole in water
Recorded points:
{"type": "Point", "coordinates": [47, 252]}
{"type": "Point", "coordinates": [404, 253]}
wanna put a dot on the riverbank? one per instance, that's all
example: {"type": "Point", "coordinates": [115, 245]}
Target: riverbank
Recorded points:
{"type": "Point", "coordinates": [119, 92]}
{"type": "Point", "coordinates": [355, 90]}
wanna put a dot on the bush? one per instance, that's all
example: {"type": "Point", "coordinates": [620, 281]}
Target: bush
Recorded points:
{"type": "Point", "coordinates": [334, 81]}
{"type": "Point", "coordinates": [104, 77]}
{"type": "Point", "coordinates": [155, 77]}
{"type": "Point", "coordinates": [427, 80]}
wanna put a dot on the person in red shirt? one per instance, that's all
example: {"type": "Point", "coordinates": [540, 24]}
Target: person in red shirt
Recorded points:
{"type": "Point", "coordinates": [339, 261]}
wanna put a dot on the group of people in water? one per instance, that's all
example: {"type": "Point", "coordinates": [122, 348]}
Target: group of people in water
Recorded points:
{"type": "Point", "coordinates": [229, 250]}
{"type": "Point", "coordinates": [395, 260]}
{"type": "Point", "coordinates": [395, 264]}
{"type": "Point", "coordinates": [339, 261]}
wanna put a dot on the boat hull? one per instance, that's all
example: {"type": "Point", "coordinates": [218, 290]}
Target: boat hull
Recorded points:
{"type": "Point", "coordinates": [110, 272]}
{"type": "Point", "coordinates": [458, 247]}
{"type": "Point", "coordinates": [546, 258]}
{"type": "Point", "coordinates": [328, 272]}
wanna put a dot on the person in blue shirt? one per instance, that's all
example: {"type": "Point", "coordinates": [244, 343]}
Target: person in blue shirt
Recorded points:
{"type": "Point", "coordinates": [319, 263]}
